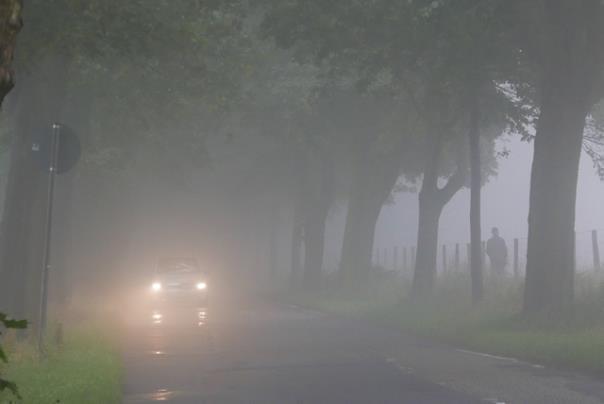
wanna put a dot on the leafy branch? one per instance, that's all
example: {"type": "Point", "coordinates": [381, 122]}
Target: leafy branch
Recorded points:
{"type": "Point", "coordinates": [9, 323]}
{"type": "Point", "coordinates": [593, 144]}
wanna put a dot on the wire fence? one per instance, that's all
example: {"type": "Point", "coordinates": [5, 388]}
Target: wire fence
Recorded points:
{"type": "Point", "coordinates": [455, 256]}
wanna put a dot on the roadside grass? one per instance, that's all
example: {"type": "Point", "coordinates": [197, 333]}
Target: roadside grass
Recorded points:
{"type": "Point", "coordinates": [85, 369]}
{"type": "Point", "coordinates": [380, 292]}
{"type": "Point", "coordinates": [570, 341]}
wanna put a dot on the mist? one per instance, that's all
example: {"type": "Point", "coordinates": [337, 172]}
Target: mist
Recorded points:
{"type": "Point", "coordinates": [301, 201]}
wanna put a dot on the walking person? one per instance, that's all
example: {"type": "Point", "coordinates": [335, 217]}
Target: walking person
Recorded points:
{"type": "Point", "coordinates": [497, 252]}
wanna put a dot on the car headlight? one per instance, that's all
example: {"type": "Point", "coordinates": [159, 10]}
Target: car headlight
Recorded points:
{"type": "Point", "coordinates": [201, 285]}
{"type": "Point", "coordinates": [156, 286]}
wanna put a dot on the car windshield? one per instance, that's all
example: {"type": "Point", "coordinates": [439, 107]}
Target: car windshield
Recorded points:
{"type": "Point", "coordinates": [177, 265]}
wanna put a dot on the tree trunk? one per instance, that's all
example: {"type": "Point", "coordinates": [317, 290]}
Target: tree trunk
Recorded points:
{"type": "Point", "coordinates": [273, 220]}
{"type": "Point", "coordinates": [551, 241]}
{"type": "Point", "coordinates": [319, 190]}
{"type": "Point", "coordinates": [432, 200]}
{"type": "Point", "coordinates": [357, 246]}
{"type": "Point", "coordinates": [475, 211]}
{"type": "Point", "coordinates": [373, 180]}
{"type": "Point", "coordinates": [424, 277]}
{"type": "Point", "coordinates": [10, 25]}
{"type": "Point", "coordinates": [314, 241]}
{"type": "Point", "coordinates": [296, 246]}
{"type": "Point", "coordinates": [572, 62]}
{"type": "Point", "coordinates": [297, 236]}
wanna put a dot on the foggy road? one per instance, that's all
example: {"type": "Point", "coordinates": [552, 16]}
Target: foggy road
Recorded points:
{"type": "Point", "coordinates": [274, 353]}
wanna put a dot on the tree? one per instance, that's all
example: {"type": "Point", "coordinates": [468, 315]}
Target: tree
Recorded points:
{"type": "Point", "coordinates": [331, 36]}
{"type": "Point", "coordinates": [10, 25]}
{"type": "Point", "coordinates": [565, 47]}
{"type": "Point", "coordinates": [462, 51]}
{"type": "Point", "coordinates": [383, 144]}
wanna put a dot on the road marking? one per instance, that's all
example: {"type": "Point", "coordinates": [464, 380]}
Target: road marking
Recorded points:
{"type": "Point", "coordinates": [501, 358]}
{"type": "Point", "coordinates": [485, 355]}
{"type": "Point", "coordinates": [493, 401]}
{"type": "Point", "coordinates": [399, 366]}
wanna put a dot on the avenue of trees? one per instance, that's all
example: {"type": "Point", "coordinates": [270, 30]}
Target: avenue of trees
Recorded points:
{"type": "Point", "coordinates": [302, 106]}
{"type": "Point", "coordinates": [473, 67]}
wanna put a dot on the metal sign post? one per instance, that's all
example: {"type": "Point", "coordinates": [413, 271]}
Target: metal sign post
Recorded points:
{"type": "Point", "coordinates": [52, 169]}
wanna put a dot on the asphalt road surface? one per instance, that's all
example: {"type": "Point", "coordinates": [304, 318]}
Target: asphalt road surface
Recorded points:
{"type": "Point", "coordinates": [273, 353]}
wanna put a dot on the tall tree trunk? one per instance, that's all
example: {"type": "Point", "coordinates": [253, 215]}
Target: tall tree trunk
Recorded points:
{"type": "Point", "coordinates": [314, 242]}
{"type": "Point", "coordinates": [373, 180]}
{"type": "Point", "coordinates": [273, 222]}
{"type": "Point", "coordinates": [296, 246]}
{"type": "Point", "coordinates": [297, 236]}
{"type": "Point", "coordinates": [551, 240]}
{"type": "Point", "coordinates": [10, 25]}
{"type": "Point", "coordinates": [432, 200]}
{"type": "Point", "coordinates": [320, 182]}
{"type": "Point", "coordinates": [475, 211]}
{"type": "Point", "coordinates": [424, 277]}
{"type": "Point", "coordinates": [357, 247]}
{"type": "Point", "coordinates": [573, 60]}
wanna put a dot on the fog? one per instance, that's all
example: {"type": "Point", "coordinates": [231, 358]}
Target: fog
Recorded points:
{"type": "Point", "coordinates": [505, 205]}
{"type": "Point", "coordinates": [301, 201]}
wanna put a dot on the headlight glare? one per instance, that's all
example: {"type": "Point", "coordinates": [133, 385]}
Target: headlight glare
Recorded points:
{"type": "Point", "coordinates": [156, 286]}
{"type": "Point", "coordinates": [201, 285]}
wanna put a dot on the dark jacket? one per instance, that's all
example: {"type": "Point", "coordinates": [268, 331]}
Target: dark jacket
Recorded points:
{"type": "Point", "coordinates": [497, 250]}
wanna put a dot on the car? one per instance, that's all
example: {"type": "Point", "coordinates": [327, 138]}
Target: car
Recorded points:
{"type": "Point", "coordinates": [179, 279]}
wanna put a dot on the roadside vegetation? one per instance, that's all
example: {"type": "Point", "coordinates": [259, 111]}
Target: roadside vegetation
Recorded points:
{"type": "Point", "coordinates": [85, 368]}
{"type": "Point", "coordinates": [569, 340]}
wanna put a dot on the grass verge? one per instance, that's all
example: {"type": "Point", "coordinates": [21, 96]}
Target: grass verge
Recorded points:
{"type": "Point", "coordinates": [86, 369]}
{"type": "Point", "coordinates": [493, 327]}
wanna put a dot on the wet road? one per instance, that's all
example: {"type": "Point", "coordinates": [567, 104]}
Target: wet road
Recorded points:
{"type": "Point", "coordinates": [272, 353]}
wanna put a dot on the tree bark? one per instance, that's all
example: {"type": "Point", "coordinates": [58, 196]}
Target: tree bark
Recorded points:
{"type": "Point", "coordinates": [373, 180]}
{"type": "Point", "coordinates": [432, 200]}
{"type": "Point", "coordinates": [572, 63]}
{"type": "Point", "coordinates": [314, 242]}
{"type": "Point", "coordinates": [357, 247]}
{"type": "Point", "coordinates": [424, 277]}
{"type": "Point", "coordinates": [549, 284]}
{"type": "Point", "coordinates": [475, 210]}
{"type": "Point", "coordinates": [296, 245]}
{"type": "Point", "coordinates": [10, 25]}
{"type": "Point", "coordinates": [320, 182]}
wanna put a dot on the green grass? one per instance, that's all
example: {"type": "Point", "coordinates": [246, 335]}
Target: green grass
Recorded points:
{"type": "Point", "coordinates": [494, 327]}
{"type": "Point", "coordinates": [86, 369]}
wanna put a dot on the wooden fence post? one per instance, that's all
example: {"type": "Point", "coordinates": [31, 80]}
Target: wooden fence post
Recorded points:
{"type": "Point", "coordinates": [412, 258]}
{"type": "Point", "coordinates": [516, 263]}
{"type": "Point", "coordinates": [456, 257]}
{"type": "Point", "coordinates": [444, 258]}
{"type": "Point", "coordinates": [596, 250]}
